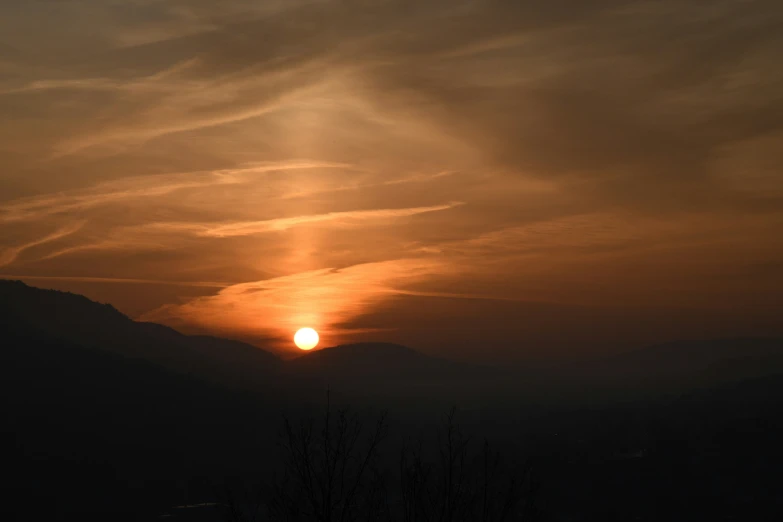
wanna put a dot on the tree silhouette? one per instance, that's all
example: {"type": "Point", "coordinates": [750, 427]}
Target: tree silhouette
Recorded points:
{"type": "Point", "coordinates": [458, 485]}
{"type": "Point", "coordinates": [332, 472]}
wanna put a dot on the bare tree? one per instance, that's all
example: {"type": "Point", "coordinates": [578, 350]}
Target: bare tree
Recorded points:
{"type": "Point", "coordinates": [331, 471]}
{"type": "Point", "coordinates": [457, 486]}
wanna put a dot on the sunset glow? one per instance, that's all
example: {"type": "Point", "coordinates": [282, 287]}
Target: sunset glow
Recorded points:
{"type": "Point", "coordinates": [446, 174]}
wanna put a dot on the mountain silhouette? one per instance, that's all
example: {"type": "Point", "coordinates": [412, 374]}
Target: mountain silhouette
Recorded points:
{"type": "Point", "coordinates": [105, 418]}
{"type": "Point", "coordinates": [75, 319]}
{"type": "Point", "coordinates": [681, 365]}
{"type": "Point", "coordinates": [386, 369]}
{"type": "Point", "coordinates": [368, 359]}
{"type": "Point", "coordinates": [379, 368]}
{"type": "Point", "coordinates": [92, 435]}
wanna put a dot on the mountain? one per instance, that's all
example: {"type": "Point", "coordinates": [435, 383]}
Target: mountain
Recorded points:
{"type": "Point", "coordinates": [375, 360]}
{"type": "Point", "coordinates": [374, 370]}
{"type": "Point", "coordinates": [358, 369]}
{"type": "Point", "coordinates": [383, 369]}
{"type": "Point", "coordinates": [91, 435]}
{"type": "Point", "coordinates": [677, 366]}
{"type": "Point", "coordinates": [75, 319]}
{"type": "Point", "coordinates": [104, 418]}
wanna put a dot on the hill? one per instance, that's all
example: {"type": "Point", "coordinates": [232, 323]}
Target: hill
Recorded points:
{"type": "Point", "coordinates": [73, 318]}
{"type": "Point", "coordinates": [375, 370]}
{"type": "Point", "coordinates": [105, 418]}
{"type": "Point", "coordinates": [91, 435]}
{"type": "Point", "coordinates": [678, 367]}
{"type": "Point", "coordinates": [383, 369]}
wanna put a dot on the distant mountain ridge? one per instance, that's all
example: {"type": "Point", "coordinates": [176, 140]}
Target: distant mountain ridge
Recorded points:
{"type": "Point", "coordinates": [99, 421]}
{"type": "Point", "coordinates": [386, 369]}
{"type": "Point", "coordinates": [382, 358]}
{"type": "Point", "coordinates": [696, 362]}
{"type": "Point", "coordinates": [380, 368]}
{"type": "Point", "coordinates": [87, 432]}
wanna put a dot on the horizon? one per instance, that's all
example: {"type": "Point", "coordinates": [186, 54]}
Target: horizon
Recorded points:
{"type": "Point", "coordinates": [290, 355]}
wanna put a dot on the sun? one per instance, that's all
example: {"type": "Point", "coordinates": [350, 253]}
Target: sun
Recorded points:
{"type": "Point", "coordinates": [306, 339]}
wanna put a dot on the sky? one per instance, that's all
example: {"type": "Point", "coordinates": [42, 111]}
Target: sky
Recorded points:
{"type": "Point", "coordinates": [495, 180]}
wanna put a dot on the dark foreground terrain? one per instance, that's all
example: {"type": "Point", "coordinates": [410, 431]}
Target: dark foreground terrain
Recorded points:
{"type": "Point", "coordinates": [107, 419]}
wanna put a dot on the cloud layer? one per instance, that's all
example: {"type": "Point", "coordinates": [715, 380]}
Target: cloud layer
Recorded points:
{"type": "Point", "coordinates": [323, 161]}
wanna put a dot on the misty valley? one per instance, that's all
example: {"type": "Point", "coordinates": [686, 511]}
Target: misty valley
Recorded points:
{"type": "Point", "coordinates": [105, 418]}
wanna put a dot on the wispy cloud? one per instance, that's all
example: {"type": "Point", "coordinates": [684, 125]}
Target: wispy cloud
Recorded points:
{"type": "Point", "coordinates": [359, 185]}
{"type": "Point", "coordinates": [142, 187]}
{"type": "Point", "coordinates": [345, 218]}
{"type": "Point", "coordinates": [198, 105]}
{"type": "Point", "coordinates": [116, 280]}
{"type": "Point", "coordinates": [585, 151]}
{"type": "Point", "coordinates": [117, 242]}
{"type": "Point", "coordinates": [10, 254]}
{"type": "Point", "coordinates": [323, 299]}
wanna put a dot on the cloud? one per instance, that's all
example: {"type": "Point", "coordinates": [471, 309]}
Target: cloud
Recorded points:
{"type": "Point", "coordinates": [116, 243]}
{"type": "Point", "coordinates": [116, 280]}
{"type": "Point", "coordinates": [9, 255]}
{"type": "Point", "coordinates": [193, 107]}
{"type": "Point", "coordinates": [599, 150]}
{"type": "Point", "coordinates": [587, 90]}
{"type": "Point", "coordinates": [142, 187]}
{"type": "Point", "coordinates": [277, 307]}
{"type": "Point", "coordinates": [358, 185]}
{"type": "Point", "coordinates": [248, 228]}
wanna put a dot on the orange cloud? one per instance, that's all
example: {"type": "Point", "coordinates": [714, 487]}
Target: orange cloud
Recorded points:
{"type": "Point", "coordinates": [346, 218]}
{"type": "Point", "coordinates": [10, 254]}
{"type": "Point", "coordinates": [597, 161]}
{"type": "Point", "coordinates": [323, 299]}
{"type": "Point", "coordinates": [142, 187]}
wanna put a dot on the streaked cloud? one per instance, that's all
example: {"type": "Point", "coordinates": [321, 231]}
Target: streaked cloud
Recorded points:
{"type": "Point", "coordinates": [249, 228]}
{"type": "Point", "coordinates": [10, 254]}
{"type": "Point", "coordinates": [323, 299]}
{"type": "Point", "coordinates": [114, 280]}
{"type": "Point", "coordinates": [573, 152]}
{"type": "Point", "coordinates": [139, 188]}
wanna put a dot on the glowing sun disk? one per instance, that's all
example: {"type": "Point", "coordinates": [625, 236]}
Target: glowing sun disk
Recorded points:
{"type": "Point", "coordinates": [306, 339]}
